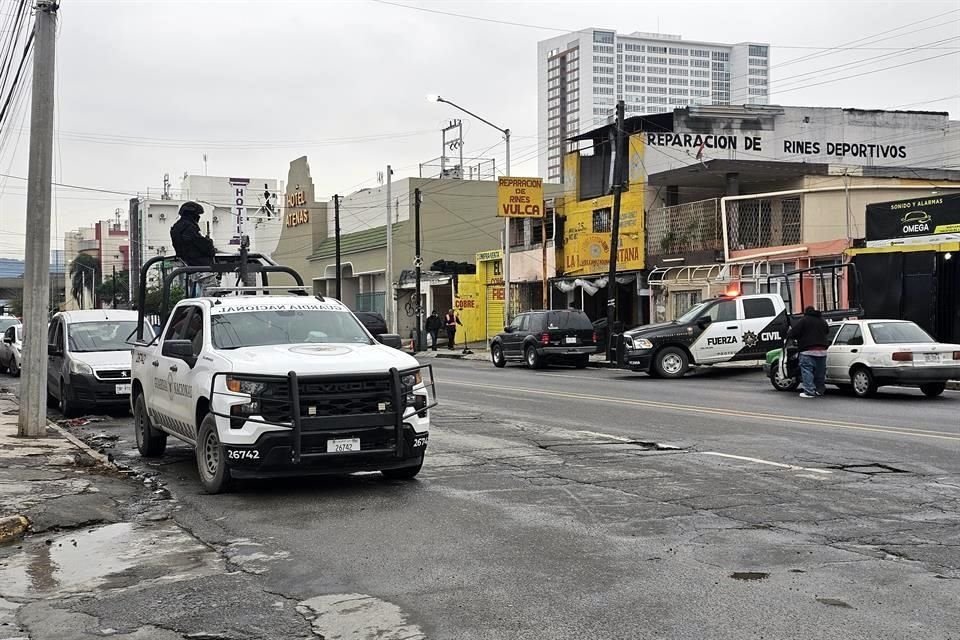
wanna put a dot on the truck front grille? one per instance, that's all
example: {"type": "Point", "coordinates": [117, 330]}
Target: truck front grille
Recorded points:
{"type": "Point", "coordinates": [324, 398]}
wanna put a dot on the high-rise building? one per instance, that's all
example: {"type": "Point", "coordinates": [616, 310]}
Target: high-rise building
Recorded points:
{"type": "Point", "coordinates": [581, 76]}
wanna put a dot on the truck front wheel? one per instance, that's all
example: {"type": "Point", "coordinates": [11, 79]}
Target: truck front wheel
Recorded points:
{"type": "Point", "coordinates": [405, 473]}
{"type": "Point", "coordinates": [150, 442]}
{"type": "Point", "coordinates": [671, 362]}
{"type": "Point", "coordinates": [211, 461]}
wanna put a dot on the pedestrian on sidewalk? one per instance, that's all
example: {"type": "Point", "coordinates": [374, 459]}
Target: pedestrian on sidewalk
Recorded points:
{"type": "Point", "coordinates": [433, 328]}
{"type": "Point", "coordinates": [451, 320]}
{"type": "Point", "coordinates": [810, 332]}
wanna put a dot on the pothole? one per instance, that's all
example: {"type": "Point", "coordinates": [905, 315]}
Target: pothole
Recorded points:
{"type": "Point", "coordinates": [871, 469]}
{"type": "Point", "coordinates": [357, 616]}
{"type": "Point", "coordinates": [834, 602]}
{"type": "Point", "coordinates": [749, 576]}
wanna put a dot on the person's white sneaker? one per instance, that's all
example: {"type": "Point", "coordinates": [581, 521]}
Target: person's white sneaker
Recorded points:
{"type": "Point", "coordinates": [804, 394]}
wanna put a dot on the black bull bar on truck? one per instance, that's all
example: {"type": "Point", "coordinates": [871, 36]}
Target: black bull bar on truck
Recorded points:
{"type": "Point", "coordinates": [344, 424]}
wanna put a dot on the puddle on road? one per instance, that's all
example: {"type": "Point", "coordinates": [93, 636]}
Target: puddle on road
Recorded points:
{"type": "Point", "coordinates": [355, 616]}
{"type": "Point", "coordinates": [111, 557]}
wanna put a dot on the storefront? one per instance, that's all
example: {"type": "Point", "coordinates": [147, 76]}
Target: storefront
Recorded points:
{"type": "Point", "coordinates": [910, 266]}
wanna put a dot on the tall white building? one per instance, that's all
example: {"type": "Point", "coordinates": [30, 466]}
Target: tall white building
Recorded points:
{"type": "Point", "coordinates": [581, 76]}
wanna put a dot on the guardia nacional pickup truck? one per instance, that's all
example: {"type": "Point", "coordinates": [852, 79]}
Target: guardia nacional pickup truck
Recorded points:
{"type": "Point", "coordinates": [266, 385]}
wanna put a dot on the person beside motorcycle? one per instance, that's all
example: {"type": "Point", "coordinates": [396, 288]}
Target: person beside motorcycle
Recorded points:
{"type": "Point", "coordinates": [810, 333]}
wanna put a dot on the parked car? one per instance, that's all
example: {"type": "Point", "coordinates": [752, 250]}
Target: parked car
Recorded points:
{"type": "Point", "coordinates": [377, 326]}
{"type": "Point", "coordinates": [11, 348]}
{"type": "Point", "coordinates": [538, 338]}
{"type": "Point", "coordinates": [8, 321]}
{"type": "Point", "coordinates": [88, 363]}
{"type": "Point", "coordinates": [867, 354]}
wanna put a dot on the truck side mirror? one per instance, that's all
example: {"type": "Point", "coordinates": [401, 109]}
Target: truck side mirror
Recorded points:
{"type": "Point", "coordinates": [390, 340]}
{"type": "Point", "coordinates": [52, 350]}
{"type": "Point", "coordinates": [180, 349]}
{"type": "Point", "coordinates": [704, 321]}
{"type": "Point", "coordinates": [8, 340]}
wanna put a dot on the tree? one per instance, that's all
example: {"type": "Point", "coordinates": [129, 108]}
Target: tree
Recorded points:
{"type": "Point", "coordinates": [105, 290]}
{"type": "Point", "coordinates": [153, 301]}
{"type": "Point", "coordinates": [83, 276]}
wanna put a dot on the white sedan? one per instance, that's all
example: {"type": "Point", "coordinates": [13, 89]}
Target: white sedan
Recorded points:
{"type": "Point", "coordinates": [867, 354]}
{"type": "Point", "coordinates": [11, 348]}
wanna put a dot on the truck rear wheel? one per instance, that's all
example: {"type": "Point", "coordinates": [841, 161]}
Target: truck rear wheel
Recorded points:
{"type": "Point", "coordinates": [150, 442]}
{"type": "Point", "coordinates": [211, 461]}
{"type": "Point", "coordinates": [671, 362]}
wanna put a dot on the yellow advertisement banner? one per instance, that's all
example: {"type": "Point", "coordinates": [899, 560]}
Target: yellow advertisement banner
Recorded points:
{"type": "Point", "coordinates": [519, 197]}
{"type": "Point", "coordinates": [947, 228]}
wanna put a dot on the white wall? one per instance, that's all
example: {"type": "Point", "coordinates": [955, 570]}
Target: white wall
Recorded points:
{"type": "Point", "coordinates": [367, 208]}
{"type": "Point", "coordinates": [926, 140]}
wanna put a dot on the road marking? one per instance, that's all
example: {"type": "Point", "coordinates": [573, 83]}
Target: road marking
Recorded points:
{"type": "Point", "coordinates": [768, 417]}
{"type": "Point", "coordinates": [792, 467]}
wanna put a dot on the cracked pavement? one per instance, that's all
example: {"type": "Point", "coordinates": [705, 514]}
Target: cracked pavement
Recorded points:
{"type": "Point", "coordinates": [538, 515]}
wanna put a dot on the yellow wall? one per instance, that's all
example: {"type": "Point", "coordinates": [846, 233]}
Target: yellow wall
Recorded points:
{"type": "Point", "coordinates": [588, 253]}
{"type": "Point", "coordinates": [479, 300]}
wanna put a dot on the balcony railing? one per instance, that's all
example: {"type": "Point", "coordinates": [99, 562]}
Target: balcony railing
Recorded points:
{"type": "Point", "coordinates": [685, 228]}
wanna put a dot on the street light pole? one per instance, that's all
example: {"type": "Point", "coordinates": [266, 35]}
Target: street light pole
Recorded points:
{"type": "Point", "coordinates": [506, 221]}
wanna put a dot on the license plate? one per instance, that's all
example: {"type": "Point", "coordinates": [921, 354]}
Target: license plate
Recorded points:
{"type": "Point", "coordinates": [931, 357]}
{"type": "Point", "coordinates": [122, 389]}
{"type": "Point", "coordinates": [570, 341]}
{"type": "Point", "coordinates": [346, 444]}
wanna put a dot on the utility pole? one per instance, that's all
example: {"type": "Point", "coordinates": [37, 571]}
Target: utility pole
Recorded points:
{"type": "Point", "coordinates": [507, 316]}
{"type": "Point", "coordinates": [417, 262]}
{"type": "Point", "coordinates": [388, 306]}
{"type": "Point", "coordinates": [619, 173]}
{"type": "Point", "coordinates": [115, 286]}
{"type": "Point", "coordinates": [336, 235]}
{"type": "Point", "coordinates": [32, 421]}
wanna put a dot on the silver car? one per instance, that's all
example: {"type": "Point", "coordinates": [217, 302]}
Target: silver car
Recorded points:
{"type": "Point", "coordinates": [88, 359]}
{"type": "Point", "coordinates": [11, 349]}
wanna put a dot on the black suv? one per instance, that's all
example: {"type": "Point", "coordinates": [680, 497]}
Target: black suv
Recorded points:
{"type": "Point", "coordinates": [540, 337]}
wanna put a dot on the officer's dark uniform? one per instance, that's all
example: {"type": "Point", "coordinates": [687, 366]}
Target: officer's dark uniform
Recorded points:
{"type": "Point", "coordinates": [192, 247]}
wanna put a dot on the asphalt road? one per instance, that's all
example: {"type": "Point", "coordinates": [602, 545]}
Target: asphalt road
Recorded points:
{"type": "Point", "coordinates": [598, 504]}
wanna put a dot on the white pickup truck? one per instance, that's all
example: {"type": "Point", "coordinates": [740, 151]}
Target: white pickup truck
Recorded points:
{"type": "Point", "coordinates": [279, 385]}
{"type": "Point", "coordinates": [725, 329]}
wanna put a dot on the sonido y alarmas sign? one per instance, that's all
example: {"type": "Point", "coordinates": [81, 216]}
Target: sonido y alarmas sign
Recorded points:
{"type": "Point", "coordinates": [520, 197]}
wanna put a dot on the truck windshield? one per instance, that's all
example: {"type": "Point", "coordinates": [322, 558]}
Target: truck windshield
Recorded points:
{"type": "Point", "coordinates": [261, 328]}
{"type": "Point", "coordinates": [86, 337]}
{"type": "Point", "coordinates": [693, 313]}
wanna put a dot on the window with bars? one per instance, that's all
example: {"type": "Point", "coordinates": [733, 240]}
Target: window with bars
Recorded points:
{"type": "Point", "coordinates": [601, 220]}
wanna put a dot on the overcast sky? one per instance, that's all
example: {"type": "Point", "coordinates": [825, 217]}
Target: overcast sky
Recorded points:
{"type": "Point", "coordinates": [147, 87]}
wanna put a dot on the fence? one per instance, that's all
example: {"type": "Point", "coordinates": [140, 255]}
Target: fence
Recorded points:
{"type": "Point", "coordinates": [683, 228]}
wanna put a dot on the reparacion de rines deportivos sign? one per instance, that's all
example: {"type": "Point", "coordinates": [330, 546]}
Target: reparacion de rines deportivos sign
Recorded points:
{"type": "Point", "coordinates": [701, 143]}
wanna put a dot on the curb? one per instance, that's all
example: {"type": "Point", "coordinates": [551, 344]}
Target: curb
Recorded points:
{"type": "Point", "coordinates": [13, 527]}
{"type": "Point", "coordinates": [83, 446]}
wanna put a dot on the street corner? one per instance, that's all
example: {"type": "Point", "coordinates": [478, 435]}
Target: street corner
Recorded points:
{"type": "Point", "coordinates": [13, 528]}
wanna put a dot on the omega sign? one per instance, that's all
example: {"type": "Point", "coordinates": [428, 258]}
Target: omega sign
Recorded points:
{"type": "Point", "coordinates": [297, 217]}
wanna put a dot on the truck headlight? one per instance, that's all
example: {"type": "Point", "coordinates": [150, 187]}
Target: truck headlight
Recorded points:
{"type": "Point", "coordinates": [80, 368]}
{"type": "Point", "coordinates": [411, 380]}
{"type": "Point", "coordinates": [239, 385]}
{"type": "Point", "coordinates": [643, 343]}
